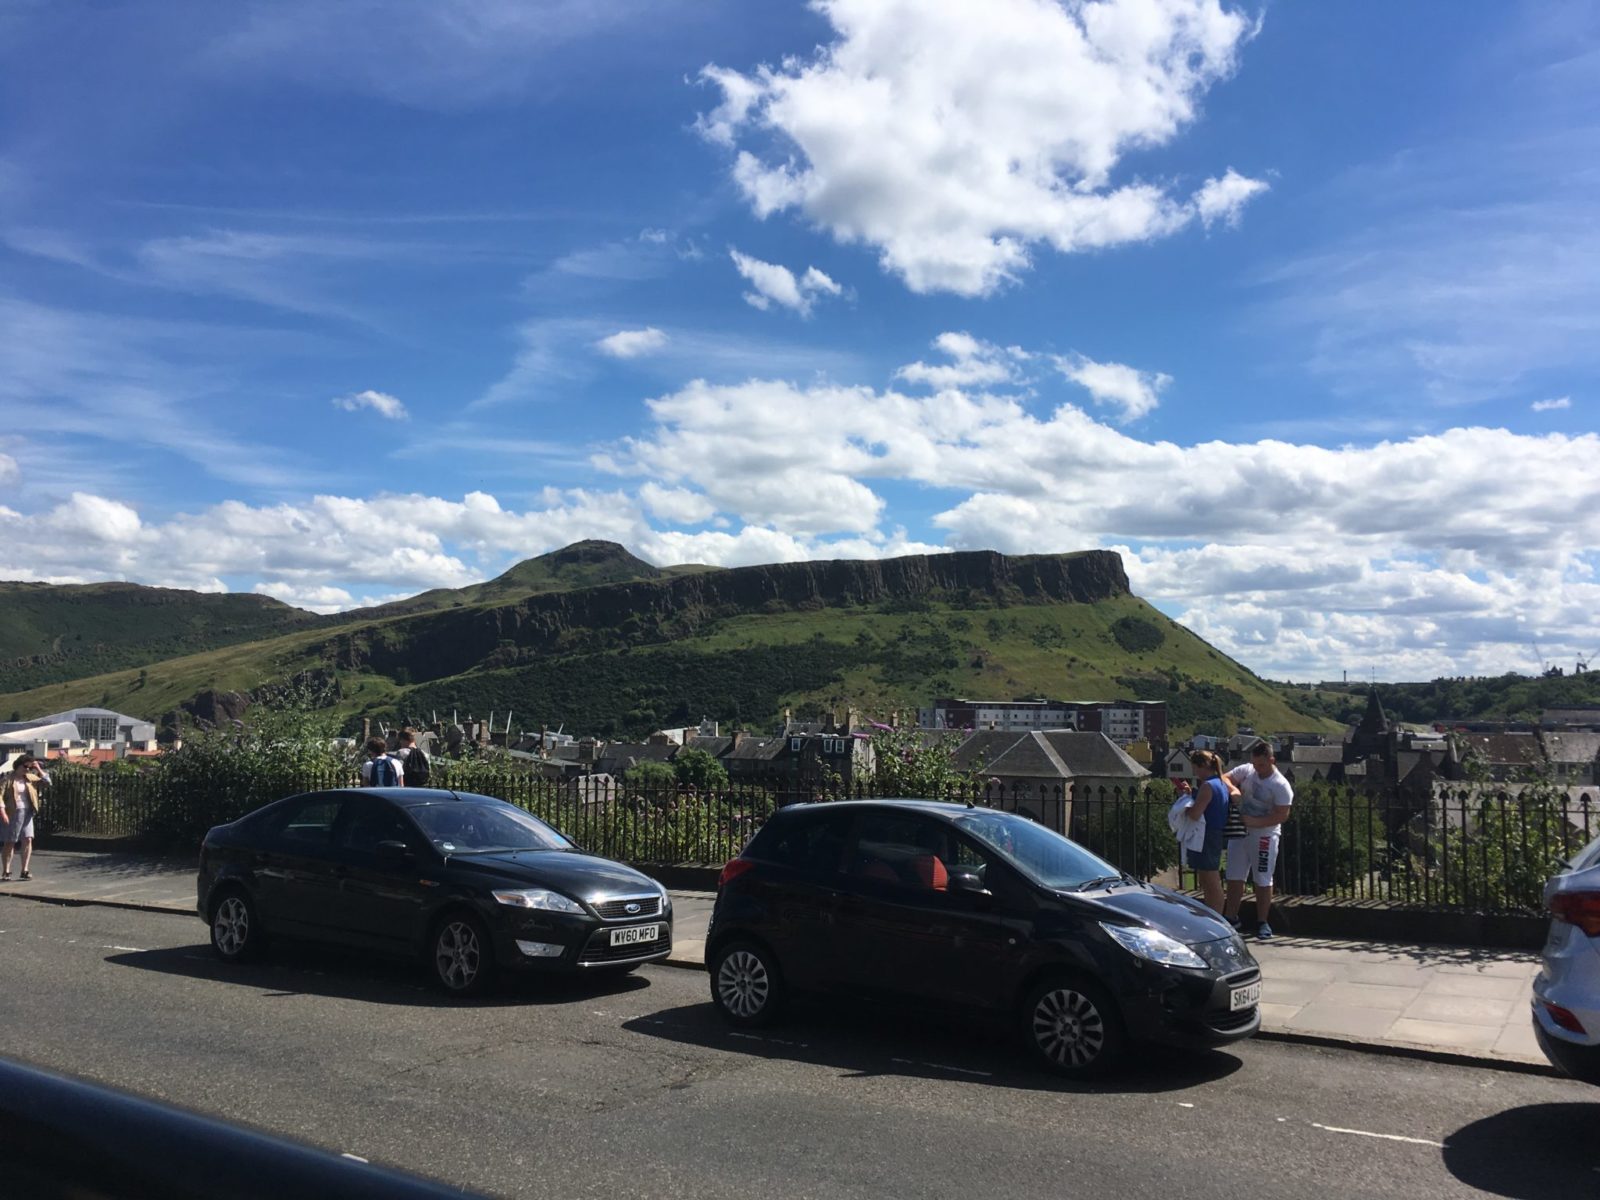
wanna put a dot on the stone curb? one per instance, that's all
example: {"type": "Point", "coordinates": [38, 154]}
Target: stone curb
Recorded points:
{"type": "Point", "coordinates": [1451, 1058]}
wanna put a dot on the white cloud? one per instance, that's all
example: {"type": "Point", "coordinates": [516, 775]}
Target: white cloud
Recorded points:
{"type": "Point", "coordinates": [1224, 199]}
{"type": "Point", "coordinates": [381, 403]}
{"type": "Point", "coordinates": [10, 473]}
{"type": "Point", "coordinates": [954, 136]}
{"type": "Point", "coordinates": [1132, 392]}
{"type": "Point", "coordinates": [678, 505]}
{"type": "Point", "coordinates": [1414, 556]}
{"type": "Point", "coordinates": [314, 597]}
{"type": "Point", "coordinates": [976, 364]}
{"type": "Point", "coordinates": [1559, 404]}
{"type": "Point", "coordinates": [776, 284]}
{"type": "Point", "coordinates": [631, 343]}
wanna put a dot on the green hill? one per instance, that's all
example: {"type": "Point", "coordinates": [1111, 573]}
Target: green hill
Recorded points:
{"type": "Point", "coordinates": [622, 658]}
{"type": "Point", "coordinates": [54, 633]}
{"type": "Point", "coordinates": [582, 564]}
{"type": "Point", "coordinates": [57, 634]}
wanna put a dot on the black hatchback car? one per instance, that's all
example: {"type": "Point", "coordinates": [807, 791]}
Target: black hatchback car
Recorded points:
{"type": "Point", "coordinates": [922, 903]}
{"type": "Point", "coordinates": [466, 883]}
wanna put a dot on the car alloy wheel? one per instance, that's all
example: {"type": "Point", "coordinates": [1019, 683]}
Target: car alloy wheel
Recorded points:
{"type": "Point", "coordinates": [745, 984]}
{"type": "Point", "coordinates": [458, 955]}
{"type": "Point", "coordinates": [234, 935]}
{"type": "Point", "coordinates": [1073, 1027]}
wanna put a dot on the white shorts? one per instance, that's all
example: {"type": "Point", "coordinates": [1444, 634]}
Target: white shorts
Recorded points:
{"type": "Point", "coordinates": [19, 826]}
{"type": "Point", "coordinates": [1254, 857]}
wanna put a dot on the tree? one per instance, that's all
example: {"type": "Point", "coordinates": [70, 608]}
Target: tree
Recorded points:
{"type": "Point", "coordinates": [909, 762]}
{"type": "Point", "coordinates": [699, 769]}
{"type": "Point", "coordinates": [650, 776]}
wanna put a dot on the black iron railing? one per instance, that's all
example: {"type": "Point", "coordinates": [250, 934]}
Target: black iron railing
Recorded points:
{"type": "Point", "coordinates": [1471, 849]}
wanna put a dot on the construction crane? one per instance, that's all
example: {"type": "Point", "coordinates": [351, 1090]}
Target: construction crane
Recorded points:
{"type": "Point", "coordinates": [1583, 663]}
{"type": "Point", "coordinates": [1544, 667]}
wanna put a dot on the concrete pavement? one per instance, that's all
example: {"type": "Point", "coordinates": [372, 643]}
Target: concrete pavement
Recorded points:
{"type": "Point", "coordinates": [1441, 1000]}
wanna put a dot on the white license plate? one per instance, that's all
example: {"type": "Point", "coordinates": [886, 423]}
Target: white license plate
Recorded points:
{"type": "Point", "coordinates": [1247, 996]}
{"type": "Point", "coordinates": [639, 933]}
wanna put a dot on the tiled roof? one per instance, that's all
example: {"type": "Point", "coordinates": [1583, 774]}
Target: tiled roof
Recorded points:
{"type": "Point", "coordinates": [1094, 754]}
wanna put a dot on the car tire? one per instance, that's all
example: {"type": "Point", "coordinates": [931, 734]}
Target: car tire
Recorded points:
{"type": "Point", "coordinates": [746, 984]}
{"type": "Point", "coordinates": [460, 955]}
{"type": "Point", "coordinates": [1072, 1026]}
{"type": "Point", "coordinates": [236, 933]}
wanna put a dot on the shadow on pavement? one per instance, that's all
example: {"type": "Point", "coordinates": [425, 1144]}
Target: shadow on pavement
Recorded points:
{"type": "Point", "coordinates": [295, 970]}
{"type": "Point", "coordinates": [868, 1043]}
{"type": "Point", "coordinates": [1537, 1152]}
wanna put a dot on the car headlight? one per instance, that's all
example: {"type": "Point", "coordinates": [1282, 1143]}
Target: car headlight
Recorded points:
{"type": "Point", "coordinates": [1154, 946]}
{"type": "Point", "coordinates": [539, 898]}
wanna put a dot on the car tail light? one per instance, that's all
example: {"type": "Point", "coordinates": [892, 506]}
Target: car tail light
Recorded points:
{"type": "Point", "coordinates": [1578, 908]}
{"type": "Point", "coordinates": [735, 868]}
{"type": "Point", "coordinates": [1565, 1018]}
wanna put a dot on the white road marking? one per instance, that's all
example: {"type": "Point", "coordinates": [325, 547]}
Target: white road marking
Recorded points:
{"type": "Point", "coordinates": [911, 1062]}
{"type": "Point", "coordinates": [1388, 1137]}
{"type": "Point", "coordinates": [357, 1157]}
{"type": "Point", "coordinates": [129, 949]}
{"type": "Point", "coordinates": [1181, 1104]}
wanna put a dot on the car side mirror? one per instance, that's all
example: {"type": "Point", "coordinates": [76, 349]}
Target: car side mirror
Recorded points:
{"type": "Point", "coordinates": [393, 853]}
{"type": "Point", "coordinates": [967, 882]}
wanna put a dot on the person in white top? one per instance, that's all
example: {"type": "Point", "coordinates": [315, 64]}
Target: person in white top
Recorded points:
{"type": "Point", "coordinates": [381, 768]}
{"type": "Point", "coordinates": [21, 803]}
{"type": "Point", "coordinates": [1265, 800]}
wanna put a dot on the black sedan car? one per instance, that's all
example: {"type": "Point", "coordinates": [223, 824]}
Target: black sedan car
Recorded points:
{"type": "Point", "coordinates": [466, 883]}
{"type": "Point", "coordinates": [921, 904]}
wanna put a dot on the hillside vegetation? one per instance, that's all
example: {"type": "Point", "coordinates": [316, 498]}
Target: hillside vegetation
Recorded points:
{"type": "Point", "coordinates": [1498, 698]}
{"type": "Point", "coordinates": [622, 658]}
{"type": "Point", "coordinates": [52, 633]}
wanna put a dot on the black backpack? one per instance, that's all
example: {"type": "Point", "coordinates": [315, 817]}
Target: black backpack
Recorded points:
{"type": "Point", "coordinates": [417, 769]}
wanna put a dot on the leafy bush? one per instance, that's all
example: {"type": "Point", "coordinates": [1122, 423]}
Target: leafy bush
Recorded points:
{"type": "Point", "coordinates": [1130, 832]}
{"type": "Point", "coordinates": [220, 774]}
{"type": "Point", "coordinates": [1330, 842]}
{"type": "Point", "coordinates": [1136, 635]}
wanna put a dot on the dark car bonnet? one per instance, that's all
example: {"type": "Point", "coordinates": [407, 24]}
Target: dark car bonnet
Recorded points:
{"type": "Point", "coordinates": [581, 875]}
{"type": "Point", "coordinates": [1174, 915]}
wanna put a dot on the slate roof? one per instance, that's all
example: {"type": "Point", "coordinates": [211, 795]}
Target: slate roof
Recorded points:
{"type": "Point", "coordinates": [1572, 747]}
{"type": "Point", "coordinates": [755, 749]}
{"type": "Point", "coordinates": [1321, 756]}
{"type": "Point", "coordinates": [617, 757]}
{"type": "Point", "coordinates": [1094, 754]}
{"type": "Point", "coordinates": [1518, 749]}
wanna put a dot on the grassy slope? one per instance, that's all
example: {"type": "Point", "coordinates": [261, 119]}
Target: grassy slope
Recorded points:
{"type": "Point", "coordinates": [751, 667]}
{"type": "Point", "coordinates": [91, 628]}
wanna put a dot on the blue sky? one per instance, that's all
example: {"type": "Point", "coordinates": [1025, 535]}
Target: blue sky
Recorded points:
{"type": "Point", "coordinates": [1296, 305]}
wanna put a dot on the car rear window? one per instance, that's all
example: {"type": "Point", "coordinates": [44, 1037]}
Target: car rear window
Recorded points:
{"type": "Point", "coordinates": [811, 843]}
{"type": "Point", "coordinates": [1589, 856]}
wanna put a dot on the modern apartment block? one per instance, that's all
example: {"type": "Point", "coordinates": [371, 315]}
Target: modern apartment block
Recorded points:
{"type": "Point", "coordinates": [1123, 721]}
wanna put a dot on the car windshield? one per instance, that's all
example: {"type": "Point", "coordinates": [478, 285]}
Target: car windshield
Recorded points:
{"type": "Point", "coordinates": [472, 827]}
{"type": "Point", "coordinates": [1042, 854]}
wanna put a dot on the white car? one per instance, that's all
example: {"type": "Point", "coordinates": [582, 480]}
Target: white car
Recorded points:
{"type": "Point", "coordinates": [1566, 995]}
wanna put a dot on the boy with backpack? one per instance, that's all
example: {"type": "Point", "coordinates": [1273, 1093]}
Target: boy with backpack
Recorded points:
{"type": "Point", "coordinates": [380, 769]}
{"type": "Point", "coordinates": [413, 762]}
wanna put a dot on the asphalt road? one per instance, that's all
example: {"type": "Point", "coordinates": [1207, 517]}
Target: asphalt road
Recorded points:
{"type": "Point", "coordinates": [634, 1088]}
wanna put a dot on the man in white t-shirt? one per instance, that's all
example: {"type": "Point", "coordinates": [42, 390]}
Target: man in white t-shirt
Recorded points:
{"type": "Point", "coordinates": [1265, 798]}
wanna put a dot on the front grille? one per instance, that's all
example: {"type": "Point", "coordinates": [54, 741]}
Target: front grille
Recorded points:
{"type": "Point", "coordinates": [617, 910]}
{"type": "Point", "coordinates": [1228, 1022]}
{"type": "Point", "coordinates": [599, 949]}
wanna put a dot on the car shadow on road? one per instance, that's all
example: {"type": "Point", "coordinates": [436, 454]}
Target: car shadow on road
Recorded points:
{"type": "Point", "coordinates": [871, 1043]}
{"type": "Point", "coordinates": [294, 970]}
{"type": "Point", "coordinates": [1536, 1152]}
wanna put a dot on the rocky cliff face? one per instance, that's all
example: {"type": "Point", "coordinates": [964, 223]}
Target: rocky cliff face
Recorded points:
{"type": "Point", "coordinates": [435, 645]}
